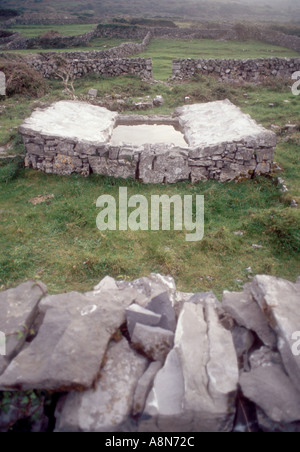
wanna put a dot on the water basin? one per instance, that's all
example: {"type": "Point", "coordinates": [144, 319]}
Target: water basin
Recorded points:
{"type": "Point", "coordinates": [147, 133]}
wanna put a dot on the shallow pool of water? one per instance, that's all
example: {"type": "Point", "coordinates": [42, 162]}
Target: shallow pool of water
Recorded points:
{"type": "Point", "coordinates": [145, 133]}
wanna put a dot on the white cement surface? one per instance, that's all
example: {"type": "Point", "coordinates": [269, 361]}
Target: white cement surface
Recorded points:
{"type": "Point", "coordinates": [218, 122]}
{"type": "Point", "coordinates": [77, 120]}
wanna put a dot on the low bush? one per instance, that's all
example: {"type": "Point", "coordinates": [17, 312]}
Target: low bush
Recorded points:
{"type": "Point", "coordinates": [21, 79]}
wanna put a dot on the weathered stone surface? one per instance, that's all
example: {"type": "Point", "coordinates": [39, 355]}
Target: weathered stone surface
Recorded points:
{"type": "Point", "coordinates": [137, 314]}
{"type": "Point", "coordinates": [80, 146]}
{"type": "Point", "coordinates": [107, 408]}
{"type": "Point", "coordinates": [18, 309]}
{"type": "Point", "coordinates": [149, 287]}
{"type": "Point", "coordinates": [69, 348]}
{"type": "Point", "coordinates": [143, 387]}
{"type": "Point", "coordinates": [229, 125]}
{"type": "Point", "coordinates": [243, 340]}
{"type": "Point", "coordinates": [195, 389]}
{"type": "Point", "coordinates": [162, 305]}
{"type": "Point", "coordinates": [158, 101]}
{"type": "Point", "coordinates": [152, 341]}
{"type": "Point", "coordinates": [271, 389]}
{"type": "Point", "coordinates": [280, 301]}
{"type": "Point", "coordinates": [75, 120]}
{"type": "Point", "coordinates": [163, 163]}
{"type": "Point", "coordinates": [246, 312]}
{"type": "Point", "coordinates": [93, 92]}
{"type": "Point", "coordinates": [2, 84]}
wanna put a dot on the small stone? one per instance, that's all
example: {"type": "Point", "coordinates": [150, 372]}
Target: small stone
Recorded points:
{"type": "Point", "coordinates": [153, 341]}
{"type": "Point", "coordinates": [238, 233]}
{"type": "Point", "coordinates": [93, 92]}
{"type": "Point", "coordinates": [256, 247]}
{"type": "Point", "coordinates": [144, 386]}
{"type": "Point", "coordinates": [158, 101]}
{"type": "Point", "coordinates": [294, 204]}
{"type": "Point", "coordinates": [138, 314]}
{"type": "Point", "coordinates": [162, 305]}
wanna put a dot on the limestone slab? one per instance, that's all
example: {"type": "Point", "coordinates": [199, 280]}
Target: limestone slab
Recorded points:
{"type": "Point", "coordinates": [107, 408]}
{"type": "Point", "coordinates": [152, 341]}
{"type": "Point", "coordinates": [18, 309]}
{"type": "Point", "coordinates": [280, 301]}
{"type": "Point", "coordinates": [137, 314]}
{"type": "Point", "coordinates": [247, 313]}
{"type": "Point", "coordinates": [74, 120]}
{"type": "Point", "coordinates": [195, 390]}
{"type": "Point", "coordinates": [68, 351]}
{"type": "Point", "coordinates": [215, 123]}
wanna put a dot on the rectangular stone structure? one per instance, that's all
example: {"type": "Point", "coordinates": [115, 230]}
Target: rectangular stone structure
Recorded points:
{"type": "Point", "coordinates": [2, 84]}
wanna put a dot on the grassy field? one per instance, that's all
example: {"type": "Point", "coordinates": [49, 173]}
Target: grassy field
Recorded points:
{"type": "Point", "coordinates": [32, 31]}
{"type": "Point", "coordinates": [163, 51]}
{"type": "Point", "coordinates": [58, 241]}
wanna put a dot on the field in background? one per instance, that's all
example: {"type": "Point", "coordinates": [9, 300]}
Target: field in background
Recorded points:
{"type": "Point", "coordinates": [163, 51]}
{"type": "Point", "coordinates": [32, 31]}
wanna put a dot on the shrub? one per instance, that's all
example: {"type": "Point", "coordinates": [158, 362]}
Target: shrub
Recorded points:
{"type": "Point", "coordinates": [21, 79]}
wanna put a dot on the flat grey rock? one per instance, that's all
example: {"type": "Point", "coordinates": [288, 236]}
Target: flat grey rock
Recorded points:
{"type": "Point", "coordinates": [71, 342]}
{"type": "Point", "coordinates": [243, 340]}
{"type": "Point", "coordinates": [270, 388]}
{"type": "Point", "coordinates": [72, 120]}
{"type": "Point", "coordinates": [247, 313]}
{"type": "Point", "coordinates": [153, 341]}
{"type": "Point", "coordinates": [144, 386]}
{"type": "Point", "coordinates": [161, 304]}
{"type": "Point", "coordinates": [149, 287]}
{"type": "Point", "coordinates": [18, 309]}
{"type": "Point", "coordinates": [163, 410]}
{"type": "Point", "coordinates": [107, 408]}
{"type": "Point", "coordinates": [229, 125]}
{"type": "Point", "coordinates": [137, 314]}
{"type": "Point", "coordinates": [280, 301]}
{"type": "Point", "coordinates": [195, 389]}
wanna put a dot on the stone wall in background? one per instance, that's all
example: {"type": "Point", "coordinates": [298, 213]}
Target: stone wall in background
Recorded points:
{"type": "Point", "coordinates": [48, 65]}
{"type": "Point", "coordinates": [248, 70]}
{"type": "Point", "coordinates": [142, 356]}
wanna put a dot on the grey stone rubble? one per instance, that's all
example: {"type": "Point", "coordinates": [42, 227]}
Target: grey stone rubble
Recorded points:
{"type": "Point", "coordinates": [188, 378]}
{"type": "Point", "coordinates": [235, 146]}
{"type": "Point", "coordinates": [2, 84]}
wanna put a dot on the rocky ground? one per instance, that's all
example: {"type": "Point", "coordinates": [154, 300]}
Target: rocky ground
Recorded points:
{"type": "Point", "coordinates": [142, 356]}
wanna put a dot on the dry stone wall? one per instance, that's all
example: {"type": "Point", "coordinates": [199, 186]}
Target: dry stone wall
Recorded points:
{"type": "Point", "coordinates": [112, 62]}
{"type": "Point", "coordinates": [248, 70]}
{"type": "Point", "coordinates": [108, 67]}
{"type": "Point", "coordinates": [141, 356]}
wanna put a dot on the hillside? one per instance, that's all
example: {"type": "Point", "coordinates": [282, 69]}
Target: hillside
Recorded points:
{"type": "Point", "coordinates": [271, 10]}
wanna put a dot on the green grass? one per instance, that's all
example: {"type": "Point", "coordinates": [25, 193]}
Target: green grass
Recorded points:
{"type": "Point", "coordinates": [32, 31]}
{"type": "Point", "coordinates": [58, 242]}
{"type": "Point", "coordinates": [163, 51]}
